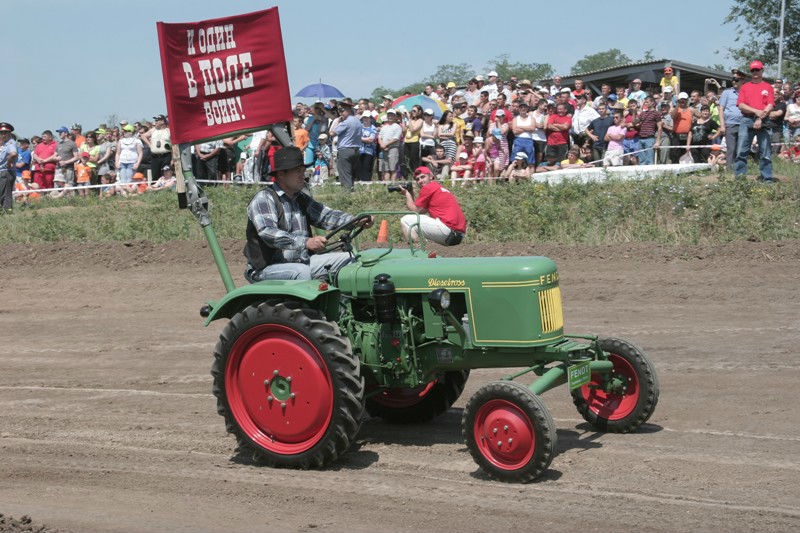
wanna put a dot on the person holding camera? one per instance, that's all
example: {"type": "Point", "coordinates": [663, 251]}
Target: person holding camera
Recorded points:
{"type": "Point", "coordinates": [441, 219]}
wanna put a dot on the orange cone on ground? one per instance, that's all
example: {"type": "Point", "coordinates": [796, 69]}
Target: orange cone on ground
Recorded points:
{"type": "Point", "coordinates": [383, 232]}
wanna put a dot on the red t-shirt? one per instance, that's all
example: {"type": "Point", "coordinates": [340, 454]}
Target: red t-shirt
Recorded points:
{"type": "Point", "coordinates": [631, 132]}
{"type": "Point", "coordinates": [555, 138]}
{"type": "Point", "coordinates": [45, 151]}
{"type": "Point", "coordinates": [756, 95]}
{"type": "Point", "coordinates": [441, 204]}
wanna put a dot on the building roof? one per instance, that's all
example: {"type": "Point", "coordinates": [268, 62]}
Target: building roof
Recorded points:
{"type": "Point", "coordinates": [650, 72]}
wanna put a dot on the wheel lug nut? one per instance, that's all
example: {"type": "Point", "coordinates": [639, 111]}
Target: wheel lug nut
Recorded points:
{"type": "Point", "coordinates": [510, 441]}
{"type": "Point", "coordinates": [289, 379]}
{"type": "Point", "coordinates": [291, 396]}
{"type": "Point", "coordinates": [275, 372]}
{"type": "Point", "coordinates": [266, 383]}
{"type": "Point", "coordinates": [494, 431]}
{"type": "Point", "coordinates": [283, 404]}
{"type": "Point", "coordinates": [269, 398]}
{"type": "Point", "coordinates": [505, 428]}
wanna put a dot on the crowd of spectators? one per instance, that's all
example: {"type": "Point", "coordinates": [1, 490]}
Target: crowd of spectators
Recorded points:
{"type": "Point", "coordinates": [490, 129]}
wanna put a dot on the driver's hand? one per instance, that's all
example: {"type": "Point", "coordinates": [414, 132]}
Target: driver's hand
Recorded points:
{"type": "Point", "coordinates": [367, 222]}
{"type": "Point", "coordinates": [316, 244]}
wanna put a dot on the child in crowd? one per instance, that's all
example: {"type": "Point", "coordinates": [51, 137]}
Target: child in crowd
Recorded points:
{"type": "Point", "coordinates": [518, 170]}
{"type": "Point", "coordinates": [322, 161]}
{"type": "Point", "coordinates": [108, 180]}
{"type": "Point", "coordinates": [614, 137]}
{"type": "Point", "coordinates": [479, 158]}
{"type": "Point", "coordinates": [573, 159]}
{"type": "Point", "coordinates": [26, 189]}
{"type": "Point", "coordinates": [550, 162]}
{"type": "Point", "coordinates": [438, 163]}
{"type": "Point", "coordinates": [137, 186]}
{"type": "Point", "coordinates": [167, 180]}
{"type": "Point", "coordinates": [83, 173]}
{"type": "Point", "coordinates": [462, 169]}
{"type": "Point", "coordinates": [717, 156]}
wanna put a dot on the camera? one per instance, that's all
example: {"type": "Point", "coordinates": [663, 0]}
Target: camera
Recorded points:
{"type": "Point", "coordinates": [400, 186]}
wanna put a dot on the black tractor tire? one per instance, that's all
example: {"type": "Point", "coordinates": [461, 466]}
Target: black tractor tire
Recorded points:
{"type": "Point", "coordinates": [509, 432]}
{"type": "Point", "coordinates": [421, 404]}
{"type": "Point", "coordinates": [624, 409]}
{"type": "Point", "coordinates": [288, 385]}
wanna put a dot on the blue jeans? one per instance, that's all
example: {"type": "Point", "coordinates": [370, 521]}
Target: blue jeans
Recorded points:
{"type": "Point", "coordinates": [646, 157]}
{"type": "Point", "coordinates": [316, 269]}
{"type": "Point", "coordinates": [746, 134]}
{"type": "Point", "coordinates": [522, 144]}
{"type": "Point", "coordinates": [125, 173]}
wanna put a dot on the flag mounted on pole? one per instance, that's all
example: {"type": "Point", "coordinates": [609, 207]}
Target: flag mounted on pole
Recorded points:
{"type": "Point", "coordinates": [224, 76]}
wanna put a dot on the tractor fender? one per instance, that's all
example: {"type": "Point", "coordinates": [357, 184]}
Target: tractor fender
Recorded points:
{"type": "Point", "coordinates": [319, 295]}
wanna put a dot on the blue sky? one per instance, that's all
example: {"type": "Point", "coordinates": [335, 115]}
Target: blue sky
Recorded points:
{"type": "Point", "coordinates": [66, 61]}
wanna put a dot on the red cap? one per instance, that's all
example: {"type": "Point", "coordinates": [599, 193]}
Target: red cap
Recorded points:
{"type": "Point", "coordinates": [85, 154]}
{"type": "Point", "coordinates": [756, 65]}
{"type": "Point", "coordinates": [422, 170]}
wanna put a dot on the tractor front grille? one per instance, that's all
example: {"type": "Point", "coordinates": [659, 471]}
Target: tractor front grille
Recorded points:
{"type": "Point", "coordinates": [550, 310]}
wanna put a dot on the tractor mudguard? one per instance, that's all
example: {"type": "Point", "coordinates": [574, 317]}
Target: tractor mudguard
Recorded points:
{"type": "Point", "coordinates": [320, 294]}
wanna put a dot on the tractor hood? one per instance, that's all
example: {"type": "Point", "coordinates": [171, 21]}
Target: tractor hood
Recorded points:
{"type": "Point", "coordinates": [509, 300]}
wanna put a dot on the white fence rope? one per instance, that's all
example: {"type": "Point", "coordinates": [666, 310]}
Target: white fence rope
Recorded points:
{"type": "Point", "coordinates": [590, 165]}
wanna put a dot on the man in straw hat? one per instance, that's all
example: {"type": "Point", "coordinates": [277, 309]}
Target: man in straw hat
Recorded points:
{"type": "Point", "coordinates": [280, 244]}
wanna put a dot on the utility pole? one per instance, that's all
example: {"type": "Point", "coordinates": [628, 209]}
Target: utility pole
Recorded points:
{"type": "Point", "coordinates": [780, 40]}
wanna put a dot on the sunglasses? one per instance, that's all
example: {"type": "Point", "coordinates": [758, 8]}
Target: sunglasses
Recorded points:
{"type": "Point", "coordinates": [756, 69]}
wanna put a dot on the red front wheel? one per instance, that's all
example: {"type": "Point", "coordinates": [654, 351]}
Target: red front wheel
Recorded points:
{"type": "Point", "coordinates": [621, 400]}
{"type": "Point", "coordinates": [509, 432]}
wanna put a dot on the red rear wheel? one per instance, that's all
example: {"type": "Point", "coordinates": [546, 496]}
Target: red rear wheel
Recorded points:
{"type": "Point", "coordinates": [418, 404]}
{"type": "Point", "coordinates": [288, 385]}
{"type": "Point", "coordinates": [622, 400]}
{"type": "Point", "coordinates": [279, 389]}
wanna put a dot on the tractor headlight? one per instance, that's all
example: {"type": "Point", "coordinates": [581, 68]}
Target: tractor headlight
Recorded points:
{"type": "Point", "coordinates": [439, 300]}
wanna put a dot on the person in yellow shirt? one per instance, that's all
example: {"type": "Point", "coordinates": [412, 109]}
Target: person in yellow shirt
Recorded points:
{"type": "Point", "coordinates": [671, 79]}
{"type": "Point", "coordinates": [573, 159]}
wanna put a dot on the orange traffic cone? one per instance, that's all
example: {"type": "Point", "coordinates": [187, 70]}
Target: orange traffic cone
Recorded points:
{"type": "Point", "coordinates": [383, 232]}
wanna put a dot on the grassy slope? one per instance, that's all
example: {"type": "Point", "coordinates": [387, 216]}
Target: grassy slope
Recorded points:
{"type": "Point", "coordinates": [671, 210]}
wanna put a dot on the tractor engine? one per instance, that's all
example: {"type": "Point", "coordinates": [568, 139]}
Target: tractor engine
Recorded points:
{"type": "Point", "coordinates": [412, 317]}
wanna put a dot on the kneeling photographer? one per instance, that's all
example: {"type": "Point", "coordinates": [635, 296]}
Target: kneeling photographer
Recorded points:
{"type": "Point", "coordinates": [441, 218]}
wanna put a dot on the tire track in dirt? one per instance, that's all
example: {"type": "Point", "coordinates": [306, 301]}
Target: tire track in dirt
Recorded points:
{"type": "Point", "coordinates": [348, 480]}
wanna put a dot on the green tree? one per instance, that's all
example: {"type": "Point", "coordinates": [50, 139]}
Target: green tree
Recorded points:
{"type": "Point", "coordinates": [610, 58]}
{"type": "Point", "coordinates": [378, 92]}
{"type": "Point", "coordinates": [459, 74]}
{"type": "Point", "coordinates": [758, 32]}
{"type": "Point", "coordinates": [531, 71]}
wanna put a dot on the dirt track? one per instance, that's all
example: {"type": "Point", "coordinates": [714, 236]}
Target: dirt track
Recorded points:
{"type": "Point", "coordinates": [107, 422]}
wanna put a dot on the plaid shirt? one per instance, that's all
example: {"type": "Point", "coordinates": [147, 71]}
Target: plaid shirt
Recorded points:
{"type": "Point", "coordinates": [290, 245]}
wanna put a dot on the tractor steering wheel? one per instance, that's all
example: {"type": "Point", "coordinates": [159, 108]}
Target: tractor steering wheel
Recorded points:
{"type": "Point", "coordinates": [347, 232]}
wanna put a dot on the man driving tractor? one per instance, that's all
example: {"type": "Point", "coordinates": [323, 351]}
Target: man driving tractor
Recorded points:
{"type": "Point", "coordinates": [280, 244]}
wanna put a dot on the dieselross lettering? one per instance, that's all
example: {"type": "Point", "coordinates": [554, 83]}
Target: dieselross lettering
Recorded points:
{"type": "Point", "coordinates": [435, 282]}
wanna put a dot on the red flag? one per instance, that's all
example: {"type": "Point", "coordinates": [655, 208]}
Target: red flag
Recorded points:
{"type": "Point", "coordinates": [224, 76]}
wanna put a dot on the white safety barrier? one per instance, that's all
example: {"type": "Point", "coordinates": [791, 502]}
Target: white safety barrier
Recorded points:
{"type": "Point", "coordinates": [585, 174]}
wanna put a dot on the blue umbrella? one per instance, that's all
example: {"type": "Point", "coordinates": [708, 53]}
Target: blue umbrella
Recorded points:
{"type": "Point", "coordinates": [320, 90]}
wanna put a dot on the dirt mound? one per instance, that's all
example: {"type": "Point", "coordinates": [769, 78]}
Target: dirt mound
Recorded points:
{"type": "Point", "coordinates": [9, 524]}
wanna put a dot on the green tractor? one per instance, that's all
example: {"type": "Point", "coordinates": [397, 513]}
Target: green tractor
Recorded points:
{"type": "Point", "coordinates": [395, 335]}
